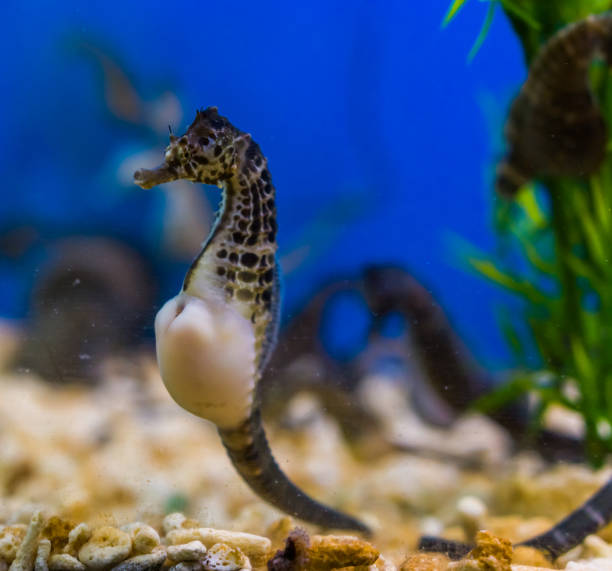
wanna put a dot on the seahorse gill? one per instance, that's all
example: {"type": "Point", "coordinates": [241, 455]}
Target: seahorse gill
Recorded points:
{"type": "Point", "coordinates": [555, 126]}
{"type": "Point", "coordinates": [214, 339]}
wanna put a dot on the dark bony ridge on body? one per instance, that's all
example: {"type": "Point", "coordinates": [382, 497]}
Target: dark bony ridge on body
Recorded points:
{"type": "Point", "coordinates": [239, 259]}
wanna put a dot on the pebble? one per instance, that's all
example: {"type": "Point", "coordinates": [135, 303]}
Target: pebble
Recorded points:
{"type": "Point", "coordinates": [146, 562]}
{"type": "Point", "coordinates": [192, 551]}
{"type": "Point", "coordinates": [65, 562]}
{"type": "Point", "coordinates": [144, 538]}
{"type": "Point", "coordinates": [10, 538]}
{"type": "Point", "coordinates": [173, 521]}
{"type": "Point", "coordinates": [106, 547]}
{"type": "Point", "coordinates": [78, 536]}
{"type": "Point", "coordinates": [26, 553]}
{"type": "Point", "coordinates": [255, 547]}
{"type": "Point", "coordinates": [221, 557]}
{"type": "Point", "coordinates": [42, 555]}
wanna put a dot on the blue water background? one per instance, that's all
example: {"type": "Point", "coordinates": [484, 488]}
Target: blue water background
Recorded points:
{"type": "Point", "coordinates": [370, 101]}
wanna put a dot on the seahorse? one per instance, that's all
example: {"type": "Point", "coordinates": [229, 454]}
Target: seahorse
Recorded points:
{"type": "Point", "coordinates": [555, 126]}
{"type": "Point", "coordinates": [447, 364]}
{"type": "Point", "coordinates": [214, 338]}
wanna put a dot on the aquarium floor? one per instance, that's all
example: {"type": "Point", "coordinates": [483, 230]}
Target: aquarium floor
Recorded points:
{"type": "Point", "coordinates": [123, 452]}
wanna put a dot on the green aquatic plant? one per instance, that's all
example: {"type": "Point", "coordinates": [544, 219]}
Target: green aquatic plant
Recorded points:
{"type": "Point", "coordinates": [512, 6]}
{"type": "Point", "coordinates": [533, 21]}
{"type": "Point", "coordinates": [555, 236]}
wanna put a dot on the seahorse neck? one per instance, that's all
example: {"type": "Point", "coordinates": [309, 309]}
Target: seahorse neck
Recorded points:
{"type": "Point", "coordinates": [237, 261]}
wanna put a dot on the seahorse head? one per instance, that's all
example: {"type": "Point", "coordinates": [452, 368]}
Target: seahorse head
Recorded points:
{"type": "Point", "coordinates": [205, 153]}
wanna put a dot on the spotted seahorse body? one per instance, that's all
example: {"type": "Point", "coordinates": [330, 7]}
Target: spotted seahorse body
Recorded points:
{"type": "Point", "coordinates": [555, 126]}
{"type": "Point", "coordinates": [214, 338]}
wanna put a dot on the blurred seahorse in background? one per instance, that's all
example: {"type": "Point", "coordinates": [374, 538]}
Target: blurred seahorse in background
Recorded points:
{"type": "Point", "coordinates": [447, 364]}
{"type": "Point", "coordinates": [442, 377]}
{"type": "Point", "coordinates": [215, 338]}
{"type": "Point", "coordinates": [556, 127]}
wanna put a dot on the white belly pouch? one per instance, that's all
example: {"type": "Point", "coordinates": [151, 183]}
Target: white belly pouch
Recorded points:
{"type": "Point", "coordinates": [206, 356]}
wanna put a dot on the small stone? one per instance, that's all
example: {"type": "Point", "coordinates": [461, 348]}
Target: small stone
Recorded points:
{"type": "Point", "coordinates": [255, 547]}
{"type": "Point", "coordinates": [42, 555]}
{"type": "Point", "coordinates": [24, 558]}
{"type": "Point", "coordinates": [173, 521]}
{"type": "Point", "coordinates": [471, 511]}
{"type": "Point", "coordinates": [146, 562]}
{"type": "Point", "coordinates": [192, 551]}
{"type": "Point", "coordinates": [11, 537]}
{"type": "Point", "coordinates": [490, 554]}
{"type": "Point", "coordinates": [523, 555]}
{"type": "Point", "coordinates": [65, 562]}
{"type": "Point", "coordinates": [332, 551]}
{"type": "Point", "coordinates": [144, 538]}
{"type": "Point", "coordinates": [57, 530]}
{"type": "Point", "coordinates": [222, 557]}
{"type": "Point", "coordinates": [425, 562]}
{"type": "Point", "coordinates": [599, 564]}
{"type": "Point", "coordinates": [106, 547]}
{"type": "Point", "coordinates": [187, 566]}
{"type": "Point", "coordinates": [77, 537]}
{"type": "Point", "coordinates": [596, 547]}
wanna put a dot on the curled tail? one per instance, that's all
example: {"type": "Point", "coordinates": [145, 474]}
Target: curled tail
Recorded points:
{"type": "Point", "coordinates": [589, 518]}
{"type": "Point", "coordinates": [585, 520]}
{"type": "Point", "coordinates": [250, 453]}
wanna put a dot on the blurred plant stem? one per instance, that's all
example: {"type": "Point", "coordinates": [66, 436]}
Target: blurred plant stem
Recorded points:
{"type": "Point", "coordinates": [557, 247]}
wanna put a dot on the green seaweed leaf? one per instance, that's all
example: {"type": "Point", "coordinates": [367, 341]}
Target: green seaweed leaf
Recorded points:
{"type": "Point", "coordinates": [508, 392]}
{"type": "Point", "coordinates": [521, 13]}
{"type": "Point", "coordinates": [510, 282]}
{"type": "Point", "coordinates": [484, 30]}
{"type": "Point", "coordinates": [452, 11]}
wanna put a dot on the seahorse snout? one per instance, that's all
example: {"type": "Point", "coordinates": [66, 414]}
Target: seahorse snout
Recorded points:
{"type": "Point", "coordinates": [148, 178]}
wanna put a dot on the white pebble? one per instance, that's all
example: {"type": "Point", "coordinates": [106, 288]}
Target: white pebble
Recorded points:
{"type": "Point", "coordinates": [192, 551]}
{"type": "Point", "coordinates": [600, 564]}
{"type": "Point", "coordinates": [106, 547]}
{"type": "Point", "coordinates": [10, 539]}
{"type": "Point", "coordinates": [187, 566]}
{"type": "Point", "coordinates": [144, 538]}
{"type": "Point", "coordinates": [597, 546]}
{"type": "Point", "coordinates": [77, 537]}
{"type": "Point", "coordinates": [173, 521]}
{"type": "Point", "coordinates": [42, 555]}
{"type": "Point", "coordinates": [24, 558]}
{"type": "Point", "coordinates": [471, 507]}
{"type": "Point", "coordinates": [221, 557]}
{"type": "Point", "coordinates": [255, 547]}
{"type": "Point", "coordinates": [65, 562]}
{"type": "Point", "coordinates": [145, 562]}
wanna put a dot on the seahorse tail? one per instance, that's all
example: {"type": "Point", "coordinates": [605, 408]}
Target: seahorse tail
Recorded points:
{"type": "Point", "coordinates": [250, 453]}
{"type": "Point", "coordinates": [585, 520]}
{"type": "Point", "coordinates": [590, 517]}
